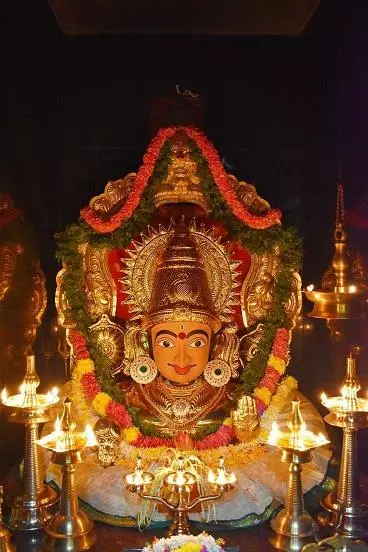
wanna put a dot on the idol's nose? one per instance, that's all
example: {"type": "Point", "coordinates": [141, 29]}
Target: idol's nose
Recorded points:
{"type": "Point", "coordinates": [181, 357]}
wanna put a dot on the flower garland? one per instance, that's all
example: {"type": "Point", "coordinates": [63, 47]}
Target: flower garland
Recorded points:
{"type": "Point", "coordinates": [265, 369]}
{"type": "Point", "coordinates": [260, 222]}
{"type": "Point", "coordinates": [239, 454]}
{"type": "Point", "coordinates": [104, 405]}
{"type": "Point", "coordinates": [140, 183]}
{"type": "Point", "coordinates": [274, 370]}
{"type": "Point", "coordinates": [186, 543]}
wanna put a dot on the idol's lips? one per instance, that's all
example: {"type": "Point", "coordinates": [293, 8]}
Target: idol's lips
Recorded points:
{"type": "Point", "coordinates": [181, 370]}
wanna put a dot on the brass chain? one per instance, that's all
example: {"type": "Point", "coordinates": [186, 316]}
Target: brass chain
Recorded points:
{"type": "Point", "coordinates": [340, 207]}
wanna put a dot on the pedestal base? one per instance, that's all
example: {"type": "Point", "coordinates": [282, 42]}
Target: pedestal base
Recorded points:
{"type": "Point", "coordinates": [70, 544]}
{"type": "Point", "coordinates": [290, 544]}
{"type": "Point", "coordinates": [349, 521]}
{"type": "Point", "coordinates": [294, 526]}
{"type": "Point", "coordinates": [69, 534]}
{"type": "Point", "coordinates": [25, 516]}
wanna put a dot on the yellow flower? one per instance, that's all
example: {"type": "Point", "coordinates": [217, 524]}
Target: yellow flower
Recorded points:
{"type": "Point", "coordinates": [130, 434]}
{"type": "Point", "coordinates": [263, 394]}
{"type": "Point", "coordinates": [100, 403]}
{"type": "Point", "coordinates": [190, 547]}
{"type": "Point", "coordinates": [277, 363]}
{"type": "Point", "coordinates": [290, 382]}
{"type": "Point", "coordinates": [84, 366]}
{"type": "Point", "coordinates": [228, 422]}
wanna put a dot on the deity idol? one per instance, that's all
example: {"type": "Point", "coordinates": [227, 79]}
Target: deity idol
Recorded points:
{"type": "Point", "coordinates": [179, 292]}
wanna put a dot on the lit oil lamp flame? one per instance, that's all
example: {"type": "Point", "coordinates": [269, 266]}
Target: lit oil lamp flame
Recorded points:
{"type": "Point", "coordinates": [179, 478]}
{"type": "Point", "coordinates": [4, 396]}
{"type": "Point", "coordinates": [310, 287]}
{"type": "Point", "coordinates": [53, 395]}
{"type": "Point", "coordinates": [352, 289]}
{"type": "Point", "coordinates": [222, 477]}
{"type": "Point", "coordinates": [298, 437]}
{"type": "Point", "coordinates": [274, 434]}
{"type": "Point", "coordinates": [90, 436]}
{"type": "Point", "coordinates": [324, 397]}
{"type": "Point", "coordinates": [58, 429]}
{"type": "Point", "coordinates": [138, 478]}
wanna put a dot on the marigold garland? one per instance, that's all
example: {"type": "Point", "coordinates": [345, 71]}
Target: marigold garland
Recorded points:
{"type": "Point", "coordinates": [220, 177]}
{"type": "Point", "coordinates": [226, 189]}
{"type": "Point", "coordinates": [141, 180]}
{"type": "Point", "coordinates": [104, 405]}
{"type": "Point", "coordinates": [274, 370]}
{"type": "Point", "coordinates": [265, 369]}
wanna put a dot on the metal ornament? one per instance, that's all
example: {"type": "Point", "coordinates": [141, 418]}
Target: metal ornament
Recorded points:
{"type": "Point", "coordinates": [343, 289]}
{"type": "Point", "coordinates": [35, 506]}
{"type": "Point", "coordinates": [69, 530]}
{"type": "Point", "coordinates": [143, 369]}
{"type": "Point", "coordinates": [294, 526]}
{"type": "Point", "coordinates": [217, 373]}
{"type": "Point", "coordinates": [181, 482]}
{"type": "Point", "coordinates": [346, 514]}
{"type": "Point", "coordinates": [108, 436]}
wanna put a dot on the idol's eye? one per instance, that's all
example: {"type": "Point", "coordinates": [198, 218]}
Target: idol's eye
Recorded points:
{"type": "Point", "coordinates": [196, 343]}
{"type": "Point", "coordinates": [165, 343]}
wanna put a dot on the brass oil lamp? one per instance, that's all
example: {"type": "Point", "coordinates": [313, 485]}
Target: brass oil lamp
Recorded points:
{"type": "Point", "coordinates": [180, 482]}
{"type": "Point", "coordinates": [342, 294]}
{"type": "Point", "coordinates": [6, 543]}
{"type": "Point", "coordinates": [69, 530]}
{"type": "Point", "coordinates": [346, 513]}
{"type": "Point", "coordinates": [33, 508]}
{"type": "Point", "coordinates": [293, 525]}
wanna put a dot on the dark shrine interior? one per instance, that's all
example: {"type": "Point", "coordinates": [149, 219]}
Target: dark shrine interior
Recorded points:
{"type": "Point", "coordinates": [285, 105]}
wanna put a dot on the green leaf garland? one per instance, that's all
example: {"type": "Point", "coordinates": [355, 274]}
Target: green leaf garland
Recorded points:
{"type": "Point", "coordinates": [286, 241]}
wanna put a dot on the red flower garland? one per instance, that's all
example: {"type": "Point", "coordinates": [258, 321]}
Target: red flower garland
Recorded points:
{"type": "Point", "coordinates": [226, 189]}
{"type": "Point", "coordinates": [144, 173]}
{"type": "Point", "coordinates": [90, 386]}
{"type": "Point", "coordinates": [222, 181]}
{"type": "Point", "coordinates": [117, 412]}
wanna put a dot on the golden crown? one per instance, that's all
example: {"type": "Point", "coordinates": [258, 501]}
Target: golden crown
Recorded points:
{"type": "Point", "coordinates": [181, 273]}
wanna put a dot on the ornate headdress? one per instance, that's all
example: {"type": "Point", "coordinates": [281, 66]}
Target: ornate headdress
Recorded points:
{"type": "Point", "coordinates": [181, 273]}
{"type": "Point", "coordinates": [182, 184]}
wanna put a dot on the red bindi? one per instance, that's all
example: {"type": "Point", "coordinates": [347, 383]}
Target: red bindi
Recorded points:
{"type": "Point", "coordinates": [182, 335]}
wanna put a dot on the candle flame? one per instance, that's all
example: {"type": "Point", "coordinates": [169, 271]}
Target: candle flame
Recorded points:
{"type": "Point", "coordinates": [310, 287]}
{"type": "Point", "coordinates": [352, 289]}
{"type": "Point", "coordinates": [323, 397]}
{"type": "Point", "coordinates": [222, 477]}
{"type": "Point", "coordinates": [55, 391]}
{"type": "Point", "coordinates": [4, 396]}
{"type": "Point", "coordinates": [135, 478]}
{"type": "Point", "coordinates": [58, 429]}
{"type": "Point", "coordinates": [90, 436]}
{"type": "Point", "coordinates": [274, 434]}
